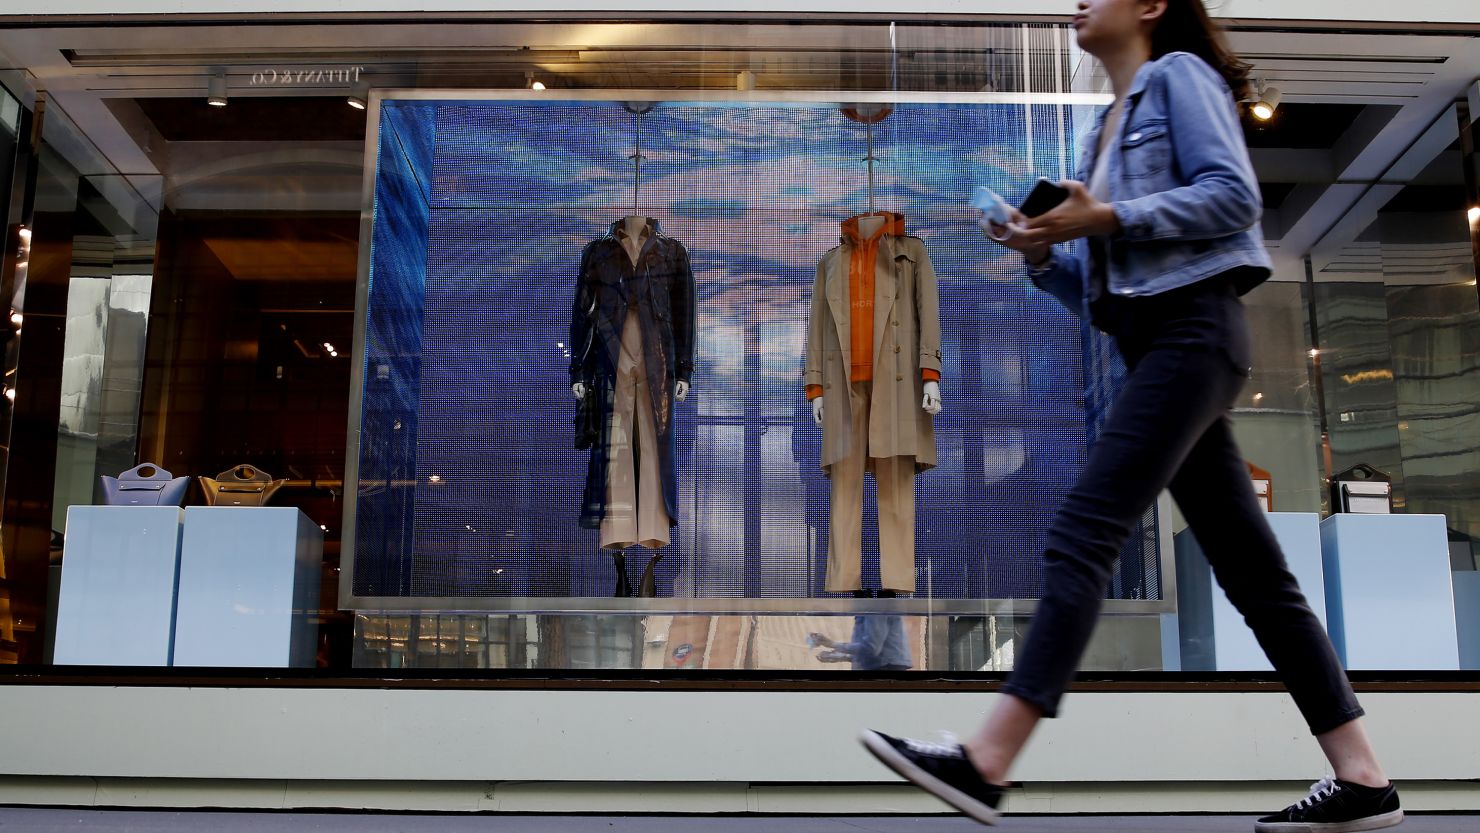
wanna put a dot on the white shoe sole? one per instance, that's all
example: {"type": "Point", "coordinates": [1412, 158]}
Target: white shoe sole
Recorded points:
{"type": "Point", "coordinates": [890, 757]}
{"type": "Point", "coordinates": [1385, 820]}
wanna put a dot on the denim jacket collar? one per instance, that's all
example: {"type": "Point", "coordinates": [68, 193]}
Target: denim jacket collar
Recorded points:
{"type": "Point", "coordinates": [1092, 140]}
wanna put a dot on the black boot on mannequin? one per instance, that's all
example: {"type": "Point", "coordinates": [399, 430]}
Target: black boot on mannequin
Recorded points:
{"type": "Point", "coordinates": [624, 589]}
{"type": "Point", "coordinates": [647, 588]}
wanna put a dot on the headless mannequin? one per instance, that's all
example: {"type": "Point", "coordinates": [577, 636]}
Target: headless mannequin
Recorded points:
{"type": "Point", "coordinates": [636, 227]}
{"type": "Point", "coordinates": [868, 226]}
{"type": "Point", "coordinates": [637, 232]}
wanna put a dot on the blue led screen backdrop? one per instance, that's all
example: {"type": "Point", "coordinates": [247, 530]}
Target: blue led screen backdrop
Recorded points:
{"type": "Point", "coordinates": [468, 483]}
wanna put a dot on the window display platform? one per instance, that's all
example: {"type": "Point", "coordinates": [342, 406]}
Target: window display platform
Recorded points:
{"type": "Point", "coordinates": [1212, 634]}
{"type": "Point", "coordinates": [808, 644]}
{"type": "Point", "coordinates": [249, 580]}
{"type": "Point", "coordinates": [117, 600]}
{"type": "Point", "coordinates": [1389, 592]}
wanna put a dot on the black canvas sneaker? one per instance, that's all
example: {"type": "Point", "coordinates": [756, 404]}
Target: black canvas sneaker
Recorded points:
{"type": "Point", "coordinates": [1336, 806]}
{"type": "Point", "coordinates": [940, 769]}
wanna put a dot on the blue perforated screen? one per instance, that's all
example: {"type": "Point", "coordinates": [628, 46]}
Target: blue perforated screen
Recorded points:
{"type": "Point", "coordinates": [467, 398]}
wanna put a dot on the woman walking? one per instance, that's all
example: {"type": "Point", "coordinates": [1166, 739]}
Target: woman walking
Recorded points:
{"type": "Point", "coordinates": [1170, 220]}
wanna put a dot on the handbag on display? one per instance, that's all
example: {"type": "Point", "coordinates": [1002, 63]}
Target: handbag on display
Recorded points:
{"type": "Point", "coordinates": [144, 485]}
{"type": "Point", "coordinates": [1362, 490]}
{"type": "Point", "coordinates": [588, 419]}
{"type": "Point", "coordinates": [242, 485]}
{"type": "Point", "coordinates": [1263, 486]}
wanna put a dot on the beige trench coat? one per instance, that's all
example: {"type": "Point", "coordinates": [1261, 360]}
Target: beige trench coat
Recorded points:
{"type": "Point", "coordinates": [906, 340]}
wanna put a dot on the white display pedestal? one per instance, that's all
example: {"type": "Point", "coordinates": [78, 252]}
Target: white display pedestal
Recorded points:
{"type": "Point", "coordinates": [1467, 617]}
{"type": "Point", "coordinates": [1211, 633]}
{"type": "Point", "coordinates": [117, 600]}
{"type": "Point", "coordinates": [249, 585]}
{"type": "Point", "coordinates": [1389, 596]}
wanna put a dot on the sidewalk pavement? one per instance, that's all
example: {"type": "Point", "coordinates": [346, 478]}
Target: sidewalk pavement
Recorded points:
{"type": "Point", "coordinates": [34, 820]}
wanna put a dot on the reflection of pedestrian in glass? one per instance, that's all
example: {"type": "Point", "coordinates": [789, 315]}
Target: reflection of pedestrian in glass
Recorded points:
{"type": "Point", "coordinates": [1169, 215]}
{"type": "Point", "coordinates": [878, 643]}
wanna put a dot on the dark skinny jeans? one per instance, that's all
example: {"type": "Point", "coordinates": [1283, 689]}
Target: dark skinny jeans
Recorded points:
{"type": "Point", "coordinates": [1188, 355]}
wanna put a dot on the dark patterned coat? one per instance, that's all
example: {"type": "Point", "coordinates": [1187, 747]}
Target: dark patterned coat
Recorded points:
{"type": "Point", "coordinates": [661, 286]}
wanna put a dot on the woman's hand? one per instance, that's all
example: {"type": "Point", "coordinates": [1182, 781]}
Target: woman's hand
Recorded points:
{"type": "Point", "coordinates": [1081, 215]}
{"type": "Point", "coordinates": [1010, 236]}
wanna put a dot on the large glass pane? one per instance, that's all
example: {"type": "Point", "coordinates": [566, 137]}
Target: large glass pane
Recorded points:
{"type": "Point", "coordinates": [357, 275]}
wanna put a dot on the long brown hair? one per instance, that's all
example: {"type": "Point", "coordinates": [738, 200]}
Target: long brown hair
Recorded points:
{"type": "Point", "coordinates": [1186, 27]}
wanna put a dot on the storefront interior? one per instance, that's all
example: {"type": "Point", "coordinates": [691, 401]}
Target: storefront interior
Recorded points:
{"type": "Point", "coordinates": [192, 231]}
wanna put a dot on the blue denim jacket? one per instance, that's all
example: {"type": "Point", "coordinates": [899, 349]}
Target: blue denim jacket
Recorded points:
{"type": "Point", "coordinates": [1181, 185]}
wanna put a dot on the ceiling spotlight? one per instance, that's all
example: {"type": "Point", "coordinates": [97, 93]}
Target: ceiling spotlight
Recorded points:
{"type": "Point", "coordinates": [25, 235]}
{"type": "Point", "coordinates": [537, 86]}
{"type": "Point", "coordinates": [17, 319]}
{"type": "Point", "coordinates": [1267, 101]}
{"type": "Point", "coordinates": [359, 95]}
{"type": "Point", "coordinates": [1474, 214]}
{"type": "Point", "coordinates": [217, 95]}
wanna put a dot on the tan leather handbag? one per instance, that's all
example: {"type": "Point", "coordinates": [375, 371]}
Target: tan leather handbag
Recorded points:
{"type": "Point", "coordinates": [242, 485]}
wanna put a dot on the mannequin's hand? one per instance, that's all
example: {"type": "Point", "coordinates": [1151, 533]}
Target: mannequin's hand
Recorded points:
{"type": "Point", "coordinates": [681, 391]}
{"type": "Point", "coordinates": [932, 403]}
{"type": "Point", "coordinates": [578, 390]}
{"type": "Point", "coordinates": [817, 410]}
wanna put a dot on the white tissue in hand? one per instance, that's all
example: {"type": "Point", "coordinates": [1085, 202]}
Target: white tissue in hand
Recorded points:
{"type": "Point", "coordinates": [994, 210]}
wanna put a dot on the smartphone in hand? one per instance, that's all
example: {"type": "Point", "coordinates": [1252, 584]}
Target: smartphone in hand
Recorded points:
{"type": "Point", "coordinates": [1044, 197]}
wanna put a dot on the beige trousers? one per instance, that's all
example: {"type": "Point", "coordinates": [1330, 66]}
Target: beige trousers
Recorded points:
{"type": "Point", "coordinates": [635, 511]}
{"type": "Point", "coordinates": [895, 477]}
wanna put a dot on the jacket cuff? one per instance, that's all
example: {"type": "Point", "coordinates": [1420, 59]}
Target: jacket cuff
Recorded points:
{"type": "Point", "coordinates": [930, 361]}
{"type": "Point", "coordinates": [1136, 222]}
{"type": "Point", "coordinates": [813, 392]}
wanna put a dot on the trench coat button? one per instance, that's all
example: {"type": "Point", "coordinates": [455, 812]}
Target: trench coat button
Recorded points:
{"type": "Point", "coordinates": [896, 322]}
{"type": "Point", "coordinates": [899, 378]}
{"type": "Point", "coordinates": [896, 349]}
